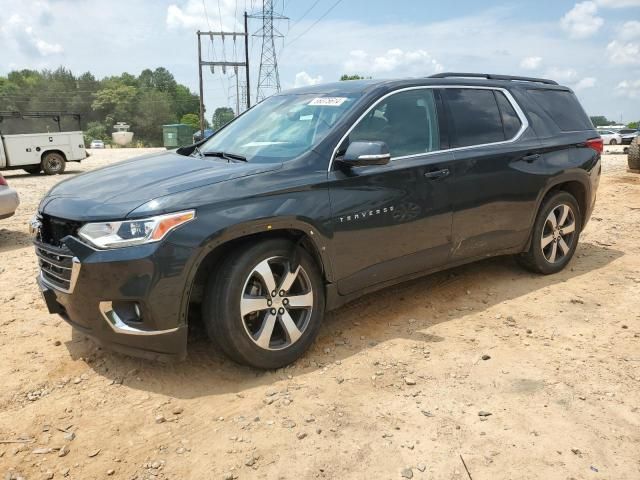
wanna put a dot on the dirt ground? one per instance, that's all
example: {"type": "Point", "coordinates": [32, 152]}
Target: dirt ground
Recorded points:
{"type": "Point", "coordinates": [393, 388]}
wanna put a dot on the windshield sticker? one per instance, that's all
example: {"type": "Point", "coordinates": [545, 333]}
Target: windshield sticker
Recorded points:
{"type": "Point", "coordinates": [328, 101]}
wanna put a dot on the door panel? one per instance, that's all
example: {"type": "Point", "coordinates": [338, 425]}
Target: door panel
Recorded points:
{"type": "Point", "coordinates": [497, 173]}
{"type": "Point", "coordinates": [494, 192]}
{"type": "Point", "coordinates": [389, 221]}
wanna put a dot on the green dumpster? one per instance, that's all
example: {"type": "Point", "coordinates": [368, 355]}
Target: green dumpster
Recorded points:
{"type": "Point", "coordinates": [177, 135]}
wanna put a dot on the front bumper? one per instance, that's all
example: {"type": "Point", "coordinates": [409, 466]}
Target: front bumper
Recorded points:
{"type": "Point", "coordinates": [152, 277]}
{"type": "Point", "coordinates": [9, 202]}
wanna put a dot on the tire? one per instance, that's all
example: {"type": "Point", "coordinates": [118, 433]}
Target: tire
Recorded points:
{"type": "Point", "coordinates": [258, 337]}
{"type": "Point", "coordinates": [613, 142]}
{"type": "Point", "coordinates": [53, 163]}
{"type": "Point", "coordinates": [540, 257]}
{"type": "Point", "coordinates": [633, 160]}
{"type": "Point", "coordinates": [33, 170]}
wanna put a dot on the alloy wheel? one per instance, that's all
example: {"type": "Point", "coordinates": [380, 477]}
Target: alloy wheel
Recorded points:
{"type": "Point", "coordinates": [558, 234]}
{"type": "Point", "coordinates": [276, 303]}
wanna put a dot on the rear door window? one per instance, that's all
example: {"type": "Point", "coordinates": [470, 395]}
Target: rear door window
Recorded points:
{"type": "Point", "coordinates": [563, 108]}
{"type": "Point", "coordinates": [474, 117]}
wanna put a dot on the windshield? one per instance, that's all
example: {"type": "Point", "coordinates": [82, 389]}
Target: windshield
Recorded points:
{"type": "Point", "coordinates": [280, 128]}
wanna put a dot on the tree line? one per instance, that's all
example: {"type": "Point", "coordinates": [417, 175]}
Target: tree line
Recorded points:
{"type": "Point", "coordinates": [146, 102]}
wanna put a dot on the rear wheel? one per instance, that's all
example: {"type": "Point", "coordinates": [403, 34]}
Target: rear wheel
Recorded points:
{"type": "Point", "coordinates": [613, 142]}
{"type": "Point", "coordinates": [264, 307]}
{"type": "Point", "coordinates": [633, 160]}
{"type": "Point", "coordinates": [53, 163]}
{"type": "Point", "coordinates": [33, 170]}
{"type": "Point", "coordinates": [555, 234]}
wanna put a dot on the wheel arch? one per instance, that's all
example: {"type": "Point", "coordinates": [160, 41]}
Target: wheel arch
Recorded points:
{"type": "Point", "coordinates": [577, 185]}
{"type": "Point", "coordinates": [304, 236]}
{"type": "Point", "coordinates": [52, 150]}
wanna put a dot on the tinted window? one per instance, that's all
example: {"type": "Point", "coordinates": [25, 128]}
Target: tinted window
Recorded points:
{"type": "Point", "coordinates": [563, 108]}
{"type": "Point", "coordinates": [474, 117]}
{"type": "Point", "coordinates": [407, 122]}
{"type": "Point", "coordinates": [510, 120]}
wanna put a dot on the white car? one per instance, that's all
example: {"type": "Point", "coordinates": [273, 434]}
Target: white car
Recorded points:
{"type": "Point", "coordinates": [609, 137]}
{"type": "Point", "coordinates": [96, 144]}
{"type": "Point", "coordinates": [9, 200]}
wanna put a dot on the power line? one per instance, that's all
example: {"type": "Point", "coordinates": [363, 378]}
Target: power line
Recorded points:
{"type": "Point", "coordinates": [303, 15]}
{"type": "Point", "coordinates": [313, 24]}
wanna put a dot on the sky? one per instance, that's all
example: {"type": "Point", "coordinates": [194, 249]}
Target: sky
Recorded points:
{"type": "Point", "coordinates": [593, 46]}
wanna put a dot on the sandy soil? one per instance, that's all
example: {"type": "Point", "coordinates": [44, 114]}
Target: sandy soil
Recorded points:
{"type": "Point", "coordinates": [393, 387]}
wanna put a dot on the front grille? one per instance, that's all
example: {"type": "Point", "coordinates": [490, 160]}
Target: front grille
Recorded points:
{"type": "Point", "coordinates": [54, 229]}
{"type": "Point", "coordinates": [56, 265]}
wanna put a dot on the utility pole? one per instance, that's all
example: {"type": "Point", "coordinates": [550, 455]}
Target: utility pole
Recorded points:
{"type": "Point", "coordinates": [268, 76]}
{"type": "Point", "coordinates": [223, 64]}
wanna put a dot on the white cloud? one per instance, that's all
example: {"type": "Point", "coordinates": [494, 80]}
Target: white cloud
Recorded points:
{"type": "Point", "coordinates": [582, 20]}
{"type": "Point", "coordinates": [583, 84]}
{"type": "Point", "coordinates": [562, 75]}
{"type": "Point", "coordinates": [395, 61]}
{"type": "Point", "coordinates": [531, 63]}
{"type": "Point", "coordinates": [204, 15]}
{"type": "Point", "coordinates": [623, 53]}
{"type": "Point", "coordinates": [618, 3]}
{"type": "Point", "coordinates": [629, 30]}
{"type": "Point", "coordinates": [629, 88]}
{"type": "Point", "coordinates": [303, 79]}
{"type": "Point", "coordinates": [16, 30]}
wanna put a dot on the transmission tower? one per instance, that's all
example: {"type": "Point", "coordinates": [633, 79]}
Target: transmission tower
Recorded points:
{"type": "Point", "coordinates": [268, 77]}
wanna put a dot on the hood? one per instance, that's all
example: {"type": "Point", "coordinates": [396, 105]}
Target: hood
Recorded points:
{"type": "Point", "coordinates": [114, 191]}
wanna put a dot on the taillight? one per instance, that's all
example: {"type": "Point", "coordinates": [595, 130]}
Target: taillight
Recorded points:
{"type": "Point", "coordinates": [3, 181]}
{"type": "Point", "coordinates": [596, 143]}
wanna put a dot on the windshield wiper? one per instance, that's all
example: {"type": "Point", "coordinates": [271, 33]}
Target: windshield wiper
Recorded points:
{"type": "Point", "coordinates": [225, 155]}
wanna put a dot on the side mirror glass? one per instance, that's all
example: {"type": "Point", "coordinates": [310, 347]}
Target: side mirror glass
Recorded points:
{"type": "Point", "coordinates": [360, 154]}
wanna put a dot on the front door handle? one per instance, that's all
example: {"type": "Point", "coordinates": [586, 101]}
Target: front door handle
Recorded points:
{"type": "Point", "coordinates": [435, 174]}
{"type": "Point", "coordinates": [531, 158]}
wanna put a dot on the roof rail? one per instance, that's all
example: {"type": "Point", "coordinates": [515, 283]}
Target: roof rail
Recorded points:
{"type": "Point", "coordinates": [491, 76]}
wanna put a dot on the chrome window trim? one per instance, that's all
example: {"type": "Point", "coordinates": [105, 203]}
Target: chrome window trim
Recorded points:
{"type": "Point", "coordinates": [523, 120]}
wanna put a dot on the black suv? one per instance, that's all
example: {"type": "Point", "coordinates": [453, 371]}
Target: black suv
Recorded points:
{"type": "Point", "coordinates": [311, 198]}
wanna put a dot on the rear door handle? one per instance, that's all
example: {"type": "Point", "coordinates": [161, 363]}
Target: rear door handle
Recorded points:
{"type": "Point", "coordinates": [531, 158]}
{"type": "Point", "coordinates": [434, 175]}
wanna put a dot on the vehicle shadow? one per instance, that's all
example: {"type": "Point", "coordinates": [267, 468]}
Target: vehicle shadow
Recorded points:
{"type": "Point", "coordinates": [13, 240]}
{"type": "Point", "coordinates": [22, 174]}
{"type": "Point", "coordinates": [406, 311]}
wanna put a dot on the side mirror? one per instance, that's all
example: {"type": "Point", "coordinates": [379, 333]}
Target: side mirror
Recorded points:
{"type": "Point", "coordinates": [360, 154]}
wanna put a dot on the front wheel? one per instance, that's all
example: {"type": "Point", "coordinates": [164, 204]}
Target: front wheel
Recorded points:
{"type": "Point", "coordinates": [555, 235]}
{"type": "Point", "coordinates": [265, 303]}
{"type": "Point", "coordinates": [53, 163]}
{"type": "Point", "coordinates": [613, 142]}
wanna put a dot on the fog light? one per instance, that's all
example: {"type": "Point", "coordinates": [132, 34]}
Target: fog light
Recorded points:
{"type": "Point", "coordinates": [129, 312]}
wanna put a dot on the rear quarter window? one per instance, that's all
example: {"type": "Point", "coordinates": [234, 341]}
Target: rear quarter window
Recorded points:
{"type": "Point", "coordinates": [563, 108]}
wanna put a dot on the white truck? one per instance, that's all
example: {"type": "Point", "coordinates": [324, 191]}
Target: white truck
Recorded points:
{"type": "Point", "coordinates": [36, 152]}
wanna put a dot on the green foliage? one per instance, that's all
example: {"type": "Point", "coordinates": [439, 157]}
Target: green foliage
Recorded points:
{"type": "Point", "coordinates": [96, 131]}
{"type": "Point", "coordinates": [601, 121]}
{"type": "Point", "coordinates": [353, 77]}
{"type": "Point", "coordinates": [635, 125]}
{"type": "Point", "coordinates": [146, 101]}
{"type": "Point", "coordinates": [154, 110]}
{"type": "Point", "coordinates": [191, 119]}
{"type": "Point", "coordinates": [221, 117]}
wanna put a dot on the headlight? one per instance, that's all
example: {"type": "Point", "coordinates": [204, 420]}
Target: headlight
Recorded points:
{"type": "Point", "coordinates": [133, 232]}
